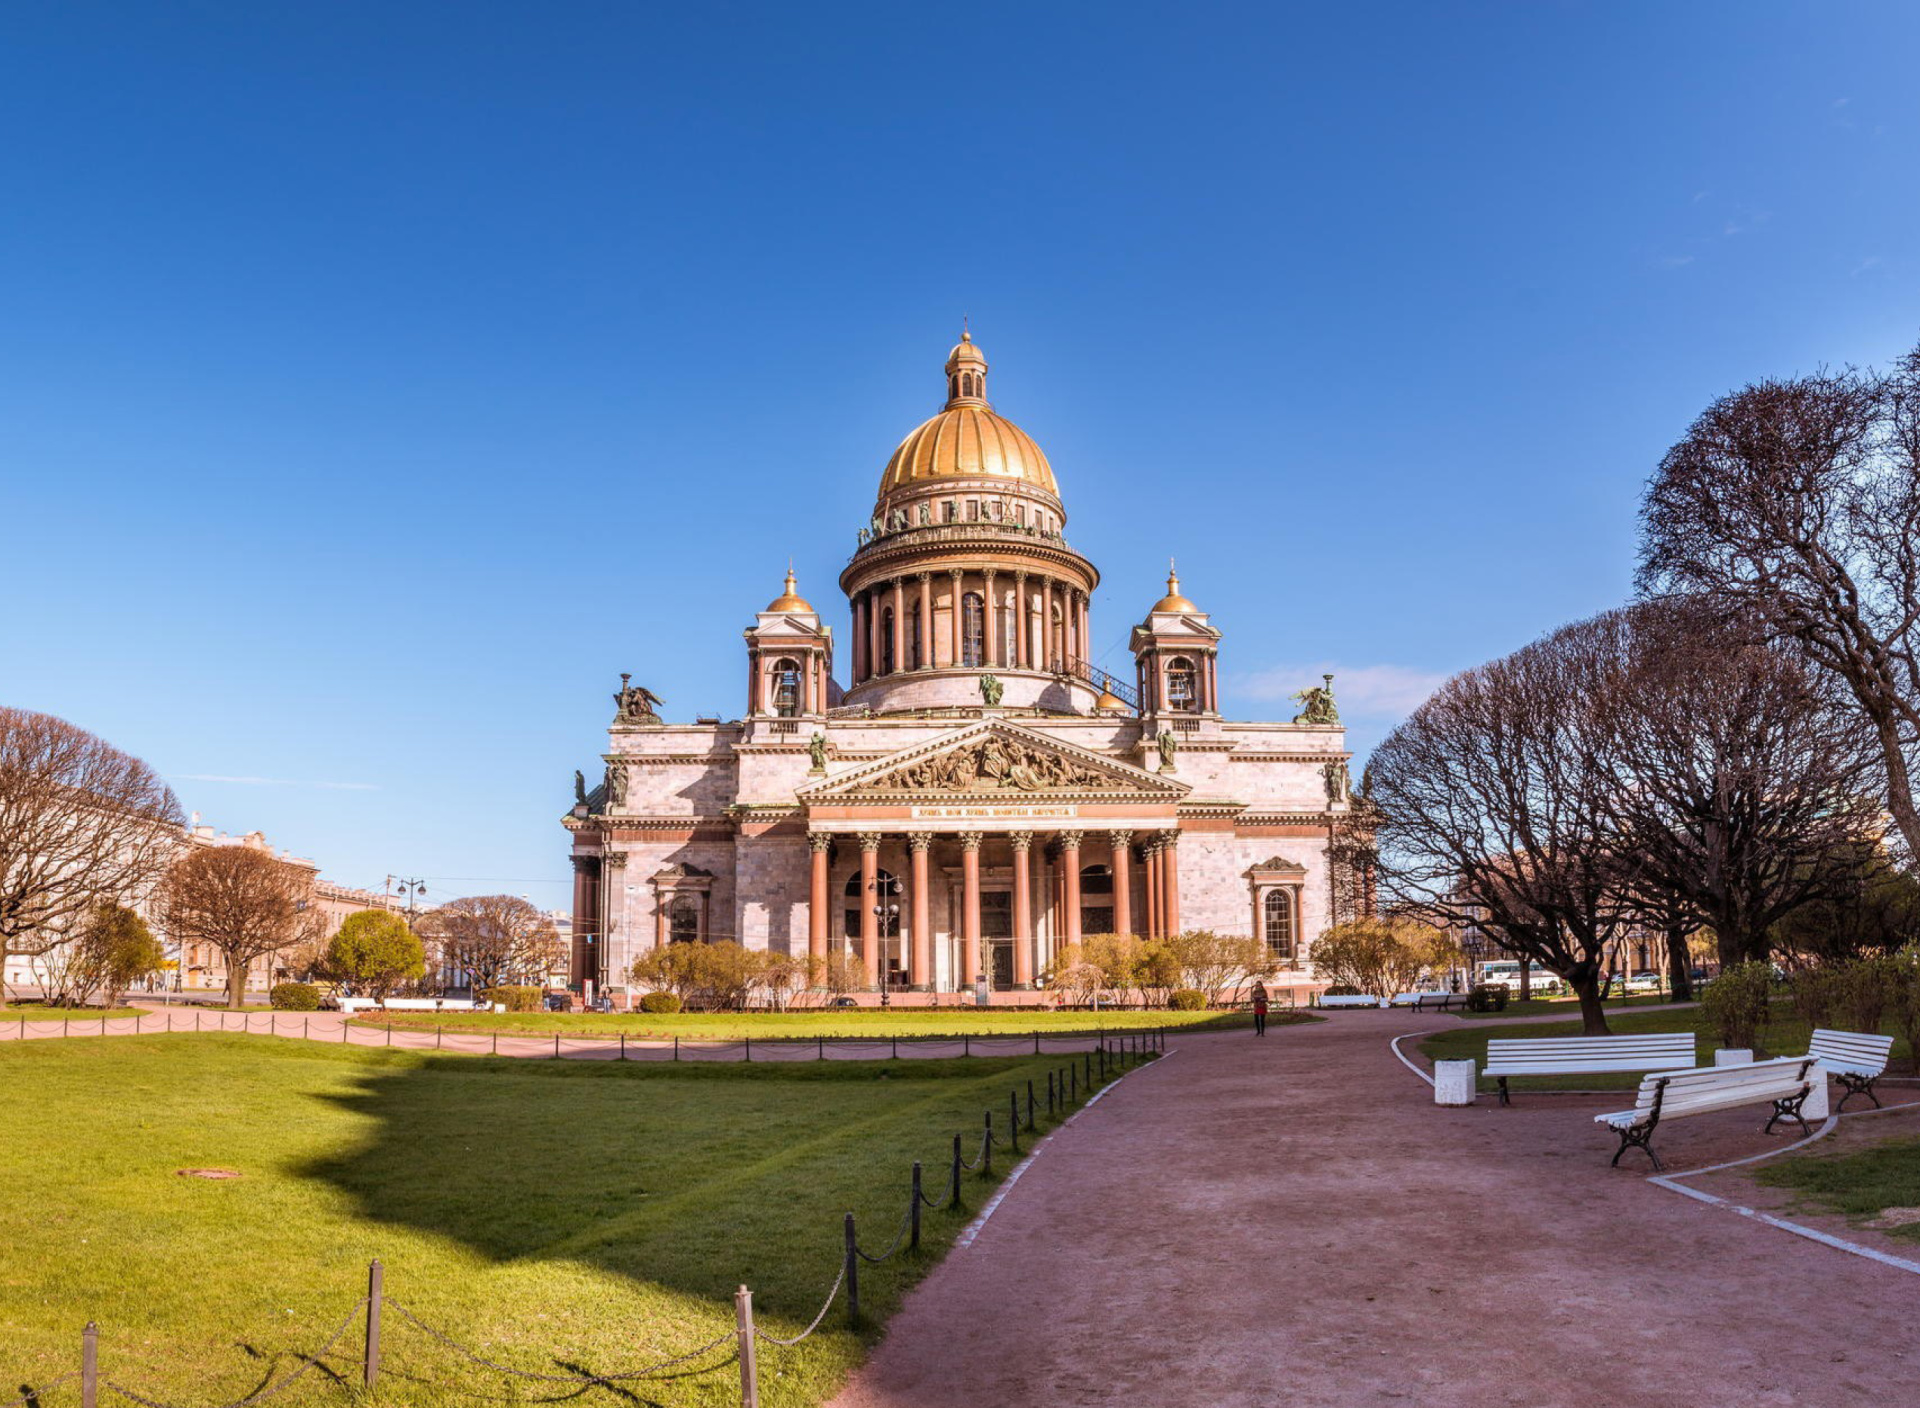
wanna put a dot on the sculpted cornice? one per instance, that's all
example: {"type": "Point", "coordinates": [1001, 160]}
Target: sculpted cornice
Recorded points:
{"type": "Point", "coordinates": [674, 759]}
{"type": "Point", "coordinates": [996, 760]}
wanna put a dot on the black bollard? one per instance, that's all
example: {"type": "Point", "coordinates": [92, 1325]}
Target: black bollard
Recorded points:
{"type": "Point", "coordinates": [1049, 1094]}
{"type": "Point", "coordinates": [1029, 1104]}
{"type": "Point", "coordinates": [913, 1241]}
{"type": "Point", "coordinates": [986, 1149]}
{"type": "Point", "coordinates": [1013, 1117]}
{"type": "Point", "coordinates": [853, 1275]}
{"type": "Point", "coordinates": [954, 1201]}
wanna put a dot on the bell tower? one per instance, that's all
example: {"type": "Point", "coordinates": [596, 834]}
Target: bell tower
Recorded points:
{"type": "Point", "coordinates": [789, 665]}
{"type": "Point", "coordinates": [1176, 651]}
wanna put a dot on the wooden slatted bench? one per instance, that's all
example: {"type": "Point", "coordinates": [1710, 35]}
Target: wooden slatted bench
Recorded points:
{"type": "Point", "coordinates": [1784, 1083]}
{"type": "Point", "coordinates": [1855, 1059]}
{"type": "Point", "coordinates": [1348, 1000]}
{"type": "Point", "coordinates": [1583, 1055]}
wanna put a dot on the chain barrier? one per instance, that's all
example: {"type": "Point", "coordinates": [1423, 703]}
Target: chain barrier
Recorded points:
{"type": "Point", "coordinates": [259, 1395]}
{"type": "Point", "coordinates": [832, 1296]}
{"type": "Point", "coordinates": [32, 1395]}
{"type": "Point", "coordinates": [584, 1380]}
{"type": "Point", "coordinates": [906, 1222]}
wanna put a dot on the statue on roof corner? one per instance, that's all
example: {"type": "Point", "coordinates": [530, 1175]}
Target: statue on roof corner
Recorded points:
{"type": "Point", "coordinates": [635, 704]}
{"type": "Point", "coordinates": [1316, 704]}
{"type": "Point", "coordinates": [817, 751]}
{"type": "Point", "coordinates": [579, 788]}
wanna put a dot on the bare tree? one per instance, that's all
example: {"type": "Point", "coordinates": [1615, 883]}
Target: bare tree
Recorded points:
{"type": "Point", "coordinates": [1736, 770]}
{"type": "Point", "coordinates": [241, 901]}
{"type": "Point", "coordinates": [1799, 501]}
{"type": "Point", "coordinates": [1491, 798]}
{"type": "Point", "coordinates": [495, 939]}
{"type": "Point", "coordinates": [81, 823]}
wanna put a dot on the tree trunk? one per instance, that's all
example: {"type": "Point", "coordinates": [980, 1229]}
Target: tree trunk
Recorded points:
{"type": "Point", "coordinates": [1679, 964]}
{"type": "Point", "coordinates": [1585, 982]}
{"type": "Point", "coordinates": [1526, 978]}
{"type": "Point", "coordinates": [236, 984]}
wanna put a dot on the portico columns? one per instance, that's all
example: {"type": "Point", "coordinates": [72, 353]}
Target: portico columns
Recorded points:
{"type": "Point", "coordinates": [1122, 882]}
{"type": "Point", "coordinates": [869, 900]}
{"type": "Point", "coordinates": [921, 976]}
{"type": "Point", "coordinates": [1023, 940]}
{"type": "Point", "coordinates": [1151, 854]}
{"type": "Point", "coordinates": [1170, 880]}
{"type": "Point", "coordinates": [1070, 861]}
{"type": "Point", "coordinates": [818, 842]}
{"type": "Point", "coordinates": [969, 906]}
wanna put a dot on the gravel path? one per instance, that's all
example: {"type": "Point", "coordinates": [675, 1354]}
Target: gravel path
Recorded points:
{"type": "Point", "coordinates": [1291, 1220]}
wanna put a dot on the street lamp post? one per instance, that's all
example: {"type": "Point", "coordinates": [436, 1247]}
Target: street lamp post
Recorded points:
{"type": "Point", "coordinates": [889, 912]}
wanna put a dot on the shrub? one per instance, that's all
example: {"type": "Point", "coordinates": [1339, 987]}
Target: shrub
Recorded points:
{"type": "Point", "coordinates": [1816, 992]}
{"type": "Point", "coordinates": [514, 999]}
{"type": "Point", "coordinates": [294, 997]}
{"type": "Point", "coordinates": [1342, 990]}
{"type": "Point", "coordinates": [1735, 1003]}
{"type": "Point", "coordinates": [1188, 1000]}
{"type": "Point", "coordinates": [1866, 986]}
{"type": "Point", "coordinates": [660, 1002]}
{"type": "Point", "coordinates": [1487, 998]}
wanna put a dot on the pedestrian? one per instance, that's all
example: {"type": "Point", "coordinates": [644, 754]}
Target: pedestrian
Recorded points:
{"type": "Point", "coordinates": [1259, 1009]}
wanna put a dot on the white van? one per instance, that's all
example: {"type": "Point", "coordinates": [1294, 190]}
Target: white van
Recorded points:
{"type": "Point", "coordinates": [1507, 975]}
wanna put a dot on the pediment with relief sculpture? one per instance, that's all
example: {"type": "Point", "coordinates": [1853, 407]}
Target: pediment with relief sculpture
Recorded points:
{"type": "Point", "coordinates": [996, 759]}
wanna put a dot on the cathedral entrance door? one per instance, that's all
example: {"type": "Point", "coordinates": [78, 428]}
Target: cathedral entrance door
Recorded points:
{"type": "Point", "coordinates": [996, 936]}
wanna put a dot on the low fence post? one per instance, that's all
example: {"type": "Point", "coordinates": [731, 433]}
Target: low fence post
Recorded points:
{"type": "Point", "coordinates": [556, 1046]}
{"type": "Point", "coordinates": [623, 1056]}
{"type": "Point", "coordinates": [676, 1048]}
{"type": "Point", "coordinates": [496, 1044]}
{"type": "Point", "coordinates": [913, 1221]}
{"type": "Point", "coordinates": [1036, 1041]}
{"type": "Point", "coordinates": [1073, 1077]}
{"type": "Point", "coordinates": [820, 1048]}
{"type": "Point", "coordinates": [1013, 1117]}
{"type": "Point", "coordinates": [743, 1332]}
{"type": "Point", "coordinates": [954, 1201]}
{"type": "Point", "coordinates": [749, 1050]}
{"type": "Point", "coordinates": [1049, 1094]}
{"type": "Point", "coordinates": [1029, 1104]}
{"type": "Point", "coordinates": [966, 1043]}
{"type": "Point", "coordinates": [986, 1149]}
{"type": "Point", "coordinates": [853, 1275]}
{"type": "Point", "coordinates": [370, 1361]}
{"type": "Point", "coordinates": [89, 1365]}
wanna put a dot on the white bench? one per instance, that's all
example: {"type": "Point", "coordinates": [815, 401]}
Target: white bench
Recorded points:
{"type": "Point", "coordinates": [1785, 1083]}
{"type": "Point", "coordinates": [1348, 1000]}
{"type": "Point", "coordinates": [1584, 1055]}
{"type": "Point", "coordinates": [1441, 1000]}
{"type": "Point", "coordinates": [1855, 1059]}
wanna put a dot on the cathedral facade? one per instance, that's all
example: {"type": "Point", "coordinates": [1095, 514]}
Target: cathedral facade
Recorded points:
{"type": "Point", "coordinates": [976, 795]}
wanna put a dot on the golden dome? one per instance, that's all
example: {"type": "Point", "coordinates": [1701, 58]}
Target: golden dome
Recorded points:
{"type": "Point", "coordinates": [1173, 601]}
{"type": "Point", "coordinates": [1109, 700]}
{"type": "Point", "coordinates": [790, 600]}
{"type": "Point", "coordinates": [967, 440]}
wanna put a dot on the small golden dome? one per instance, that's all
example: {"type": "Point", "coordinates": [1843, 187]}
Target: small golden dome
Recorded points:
{"type": "Point", "coordinates": [1109, 700]}
{"type": "Point", "coordinates": [790, 600]}
{"type": "Point", "coordinates": [1173, 601]}
{"type": "Point", "coordinates": [965, 353]}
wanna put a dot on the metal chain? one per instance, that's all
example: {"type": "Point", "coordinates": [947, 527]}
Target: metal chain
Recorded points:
{"type": "Point", "coordinates": [259, 1395]}
{"type": "Point", "coordinates": [898, 1238]}
{"type": "Point", "coordinates": [33, 1394]}
{"type": "Point", "coordinates": [581, 1379]}
{"type": "Point", "coordinates": [827, 1305]}
{"type": "Point", "coordinates": [977, 1158]}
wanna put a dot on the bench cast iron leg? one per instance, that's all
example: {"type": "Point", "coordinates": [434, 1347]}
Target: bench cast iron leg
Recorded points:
{"type": "Point", "coordinates": [1857, 1085]}
{"type": "Point", "coordinates": [1789, 1109]}
{"type": "Point", "coordinates": [1504, 1100]}
{"type": "Point", "coordinates": [1637, 1136]}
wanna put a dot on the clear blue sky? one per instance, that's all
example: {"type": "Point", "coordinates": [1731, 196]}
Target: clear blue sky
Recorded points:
{"type": "Point", "coordinates": [378, 381]}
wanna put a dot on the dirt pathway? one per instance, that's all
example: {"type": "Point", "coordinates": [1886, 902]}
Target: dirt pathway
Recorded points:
{"type": "Point", "coordinates": [1293, 1221]}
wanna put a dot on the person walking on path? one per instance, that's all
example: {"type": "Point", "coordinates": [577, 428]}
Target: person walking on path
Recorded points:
{"type": "Point", "coordinates": [1259, 1009]}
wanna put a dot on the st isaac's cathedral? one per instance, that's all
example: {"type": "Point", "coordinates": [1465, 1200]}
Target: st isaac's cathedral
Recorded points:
{"type": "Point", "coordinates": [976, 796]}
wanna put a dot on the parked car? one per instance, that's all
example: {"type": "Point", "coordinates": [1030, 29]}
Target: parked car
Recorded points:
{"type": "Point", "coordinates": [557, 1002]}
{"type": "Point", "coordinates": [1644, 981]}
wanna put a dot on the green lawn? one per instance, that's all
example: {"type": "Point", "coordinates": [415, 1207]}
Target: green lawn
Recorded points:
{"type": "Point", "coordinates": [554, 1215]}
{"type": "Point", "coordinates": [832, 1022]}
{"type": "Point", "coordinates": [1784, 1035]}
{"type": "Point", "coordinates": [1859, 1185]}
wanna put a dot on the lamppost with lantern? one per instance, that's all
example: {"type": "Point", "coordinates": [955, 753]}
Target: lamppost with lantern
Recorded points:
{"type": "Point", "coordinates": [888, 911]}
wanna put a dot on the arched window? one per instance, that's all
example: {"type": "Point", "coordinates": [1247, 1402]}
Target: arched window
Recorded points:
{"type": "Point", "coordinates": [1096, 900]}
{"type": "Point", "coordinates": [1180, 686]}
{"type": "Point", "coordinates": [886, 641]}
{"type": "Point", "coordinates": [683, 921]}
{"type": "Point", "coordinates": [1276, 913]}
{"type": "Point", "coordinates": [973, 629]}
{"type": "Point", "coordinates": [1009, 618]}
{"type": "Point", "coordinates": [886, 890]}
{"type": "Point", "coordinates": [786, 688]}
